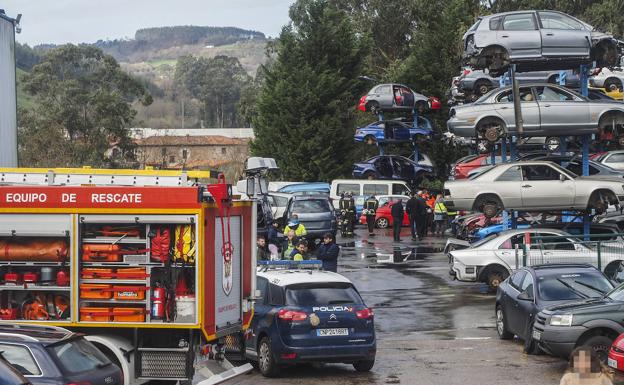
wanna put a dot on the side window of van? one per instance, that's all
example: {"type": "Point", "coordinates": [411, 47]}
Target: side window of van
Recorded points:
{"type": "Point", "coordinates": [399, 189]}
{"type": "Point", "coordinates": [344, 188]}
{"type": "Point", "coordinates": [375, 189]}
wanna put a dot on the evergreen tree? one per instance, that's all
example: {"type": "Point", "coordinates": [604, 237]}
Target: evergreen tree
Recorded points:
{"type": "Point", "coordinates": [305, 110]}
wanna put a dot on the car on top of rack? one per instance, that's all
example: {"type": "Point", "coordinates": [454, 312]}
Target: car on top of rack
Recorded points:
{"type": "Point", "coordinates": [574, 163]}
{"type": "Point", "coordinates": [47, 355]}
{"type": "Point", "coordinates": [392, 97]}
{"type": "Point", "coordinates": [386, 131]}
{"type": "Point", "coordinates": [536, 41]}
{"type": "Point", "coordinates": [547, 110]}
{"type": "Point", "coordinates": [612, 79]}
{"type": "Point", "coordinates": [391, 167]}
{"type": "Point", "coordinates": [479, 82]}
{"type": "Point", "coordinates": [531, 289]}
{"type": "Point", "coordinates": [306, 316]}
{"type": "Point", "coordinates": [532, 186]}
{"type": "Point", "coordinates": [613, 159]}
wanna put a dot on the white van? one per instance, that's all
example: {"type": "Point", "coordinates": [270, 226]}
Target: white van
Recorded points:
{"type": "Point", "coordinates": [363, 188]}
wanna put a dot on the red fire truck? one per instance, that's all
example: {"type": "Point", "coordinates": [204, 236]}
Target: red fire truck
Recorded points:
{"type": "Point", "coordinates": [154, 267]}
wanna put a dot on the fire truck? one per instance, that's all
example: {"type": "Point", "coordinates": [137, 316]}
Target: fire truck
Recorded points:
{"type": "Point", "coordinates": [155, 268]}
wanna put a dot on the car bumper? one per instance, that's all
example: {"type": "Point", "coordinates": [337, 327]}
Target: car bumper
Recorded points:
{"type": "Point", "coordinates": [327, 353]}
{"type": "Point", "coordinates": [462, 272]}
{"type": "Point", "coordinates": [461, 128]}
{"type": "Point", "coordinates": [616, 360]}
{"type": "Point", "coordinates": [559, 341]}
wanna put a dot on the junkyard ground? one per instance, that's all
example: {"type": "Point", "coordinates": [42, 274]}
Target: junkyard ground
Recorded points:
{"type": "Point", "coordinates": [430, 329]}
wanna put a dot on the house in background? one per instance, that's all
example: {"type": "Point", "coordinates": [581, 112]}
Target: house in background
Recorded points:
{"type": "Point", "coordinates": [207, 152]}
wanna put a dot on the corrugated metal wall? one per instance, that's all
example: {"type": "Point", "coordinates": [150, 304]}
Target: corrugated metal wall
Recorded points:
{"type": "Point", "coordinates": [8, 102]}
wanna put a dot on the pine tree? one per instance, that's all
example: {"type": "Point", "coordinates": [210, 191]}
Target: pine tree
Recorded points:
{"type": "Point", "coordinates": [305, 111]}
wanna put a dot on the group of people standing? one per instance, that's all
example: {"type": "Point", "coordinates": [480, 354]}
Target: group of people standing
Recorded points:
{"type": "Point", "coordinates": [295, 246]}
{"type": "Point", "coordinates": [426, 213]}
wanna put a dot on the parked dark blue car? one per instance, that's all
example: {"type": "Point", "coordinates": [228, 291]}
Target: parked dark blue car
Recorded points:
{"type": "Point", "coordinates": [388, 131]}
{"type": "Point", "coordinates": [391, 167]}
{"type": "Point", "coordinates": [305, 316]}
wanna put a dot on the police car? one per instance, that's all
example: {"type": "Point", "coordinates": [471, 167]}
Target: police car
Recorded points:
{"type": "Point", "coordinates": [306, 315]}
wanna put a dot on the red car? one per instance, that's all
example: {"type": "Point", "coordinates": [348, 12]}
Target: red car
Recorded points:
{"type": "Point", "coordinates": [616, 354]}
{"type": "Point", "coordinates": [383, 216]}
{"type": "Point", "coordinates": [468, 163]}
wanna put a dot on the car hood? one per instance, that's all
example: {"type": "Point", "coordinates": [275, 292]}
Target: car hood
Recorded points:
{"type": "Point", "coordinates": [588, 306]}
{"type": "Point", "coordinates": [597, 36]}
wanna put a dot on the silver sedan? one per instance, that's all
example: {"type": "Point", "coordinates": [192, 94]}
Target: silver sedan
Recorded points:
{"type": "Point", "coordinates": [547, 110]}
{"type": "Point", "coordinates": [532, 186]}
{"type": "Point", "coordinates": [536, 40]}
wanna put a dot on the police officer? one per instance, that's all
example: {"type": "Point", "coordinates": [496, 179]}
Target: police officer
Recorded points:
{"type": "Point", "coordinates": [370, 209]}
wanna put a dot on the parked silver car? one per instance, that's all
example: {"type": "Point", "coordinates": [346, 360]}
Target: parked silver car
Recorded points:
{"type": "Point", "coordinates": [536, 40]}
{"type": "Point", "coordinates": [547, 110]}
{"type": "Point", "coordinates": [613, 159]}
{"type": "Point", "coordinates": [478, 82]}
{"type": "Point", "coordinates": [393, 97]}
{"type": "Point", "coordinates": [532, 186]}
{"type": "Point", "coordinates": [609, 78]}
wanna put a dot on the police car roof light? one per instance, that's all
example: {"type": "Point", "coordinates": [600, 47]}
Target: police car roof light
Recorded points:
{"type": "Point", "coordinates": [309, 264]}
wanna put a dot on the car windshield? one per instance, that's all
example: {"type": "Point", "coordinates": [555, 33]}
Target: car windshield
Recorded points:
{"type": "Point", "coordinates": [319, 294]}
{"type": "Point", "coordinates": [78, 356]}
{"type": "Point", "coordinates": [486, 96]}
{"type": "Point", "coordinates": [571, 286]}
{"type": "Point", "coordinates": [617, 294]}
{"type": "Point", "coordinates": [484, 240]}
{"type": "Point", "coordinates": [311, 206]}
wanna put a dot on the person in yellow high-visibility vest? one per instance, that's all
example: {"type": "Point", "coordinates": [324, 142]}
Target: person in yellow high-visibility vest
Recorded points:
{"type": "Point", "coordinates": [440, 213]}
{"type": "Point", "coordinates": [296, 226]}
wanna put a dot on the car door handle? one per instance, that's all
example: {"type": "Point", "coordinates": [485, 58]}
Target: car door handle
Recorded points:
{"type": "Point", "coordinates": [550, 34]}
{"type": "Point", "coordinates": [546, 105]}
{"type": "Point", "coordinates": [527, 186]}
{"type": "Point", "coordinates": [504, 108]}
{"type": "Point", "coordinates": [504, 35]}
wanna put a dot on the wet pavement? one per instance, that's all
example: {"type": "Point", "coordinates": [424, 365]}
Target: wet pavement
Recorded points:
{"type": "Point", "coordinates": [430, 329]}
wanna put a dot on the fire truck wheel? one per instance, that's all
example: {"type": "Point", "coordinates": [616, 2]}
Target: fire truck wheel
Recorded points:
{"type": "Point", "coordinates": [266, 359]}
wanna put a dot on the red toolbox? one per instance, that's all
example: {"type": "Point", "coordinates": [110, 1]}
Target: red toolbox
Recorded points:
{"type": "Point", "coordinates": [95, 252]}
{"type": "Point", "coordinates": [96, 314]}
{"type": "Point", "coordinates": [95, 291]}
{"type": "Point", "coordinates": [96, 273]}
{"type": "Point", "coordinates": [128, 314]}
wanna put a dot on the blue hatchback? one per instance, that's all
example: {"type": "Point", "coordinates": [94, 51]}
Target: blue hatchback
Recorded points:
{"type": "Point", "coordinates": [305, 316]}
{"type": "Point", "coordinates": [386, 131]}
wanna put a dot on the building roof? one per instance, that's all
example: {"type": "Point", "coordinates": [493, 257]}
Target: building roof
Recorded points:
{"type": "Point", "coordinates": [140, 133]}
{"type": "Point", "coordinates": [208, 140]}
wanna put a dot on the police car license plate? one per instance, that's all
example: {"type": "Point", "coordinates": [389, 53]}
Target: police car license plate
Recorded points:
{"type": "Point", "coordinates": [332, 332]}
{"type": "Point", "coordinates": [537, 335]}
{"type": "Point", "coordinates": [612, 363]}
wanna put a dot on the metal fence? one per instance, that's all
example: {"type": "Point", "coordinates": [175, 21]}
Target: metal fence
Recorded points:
{"type": "Point", "coordinates": [604, 252]}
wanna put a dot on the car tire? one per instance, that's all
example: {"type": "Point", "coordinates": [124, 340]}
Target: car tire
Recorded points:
{"type": "Point", "coordinates": [382, 223]}
{"type": "Point", "coordinates": [495, 277]}
{"type": "Point", "coordinates": [374, 108]}
{"type": "Point", "coordinates": [482, 87]}
{"type": "Point", "coordinates": [491, 130]}
{"type": "Point", "coordinates": [364, 365]}
{"type": "Point", "coordinates": [600, 345]}
{"type": "Point", "coordinates": [501, 324]}
{"type": "Point", "coordinates": [531, 347]}
{"type": "Point", "coordinates": [266, 359]}
{"type": "Point", "coordinates": [599, 201]}
{"type": "Point", "coordinates": [613, 269]}
{"type": "Point", "coordinates": [613, 84]}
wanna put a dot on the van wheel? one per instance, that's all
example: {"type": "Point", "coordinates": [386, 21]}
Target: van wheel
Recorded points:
{"type": "Point", "coordinates": [364, 366]}
{"type": "Point", "coordinates": [266, 360]}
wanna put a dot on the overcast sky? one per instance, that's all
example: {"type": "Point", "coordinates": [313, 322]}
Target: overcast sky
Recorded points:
{"type": "Point", "coordinates": [78, 21]}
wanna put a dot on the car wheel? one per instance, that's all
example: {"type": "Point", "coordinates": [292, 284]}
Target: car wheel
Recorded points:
{"type": "Point", "coordinates": [382, 223]}
{"type": "Point", "coordinates": [501, 326]}
{"type": "Point", "coordinates": [531, 346]}
{"type": "Point", "coordinates": [552, 143]}
{"type": "Point", "coordinates": [495, 278]}
{"type": "Point", "coordinates": [600, 345]}
{"type": "Point", "coordinates": [613, 270]}
{"type": "Point", "coordinates": [374, 108]}
{"type": "Point", "coordinates": [491, 130]}
{"type": "Point", "coordinates": [364, 366]}
{"type": "Point", "coordinates": [481, 87]}
{"type": "Point", "coordinates": [611, 123]}
{"type": "Point", "coordinates": [266, 360]}
{"type": "Point", "coordinates": [599, 201]}
{"type": "Point", "coordinates": [613, 84]}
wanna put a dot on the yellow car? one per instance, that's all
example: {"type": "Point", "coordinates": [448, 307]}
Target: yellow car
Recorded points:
{"type": "Point", "coordinates": [615, 94]}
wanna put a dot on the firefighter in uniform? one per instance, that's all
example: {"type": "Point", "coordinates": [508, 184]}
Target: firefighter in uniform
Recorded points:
{"type": "Point", "coordinates": [370, 209]}
{"type": "Point", "coordinates": [347, 212]}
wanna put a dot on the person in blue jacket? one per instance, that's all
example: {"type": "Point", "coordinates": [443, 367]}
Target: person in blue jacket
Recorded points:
{"type": "Point", "coordinates": [328, 253]}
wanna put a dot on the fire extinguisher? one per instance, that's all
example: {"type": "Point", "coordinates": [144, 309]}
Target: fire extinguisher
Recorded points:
{"type": "Point", "coordinates": [158, 302]}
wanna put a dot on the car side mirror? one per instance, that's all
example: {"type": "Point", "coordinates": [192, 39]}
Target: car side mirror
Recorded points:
{"type": "Point", "coordinates": [562, 177]}
{"type": "Point", "coordinates": [525, 296]}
